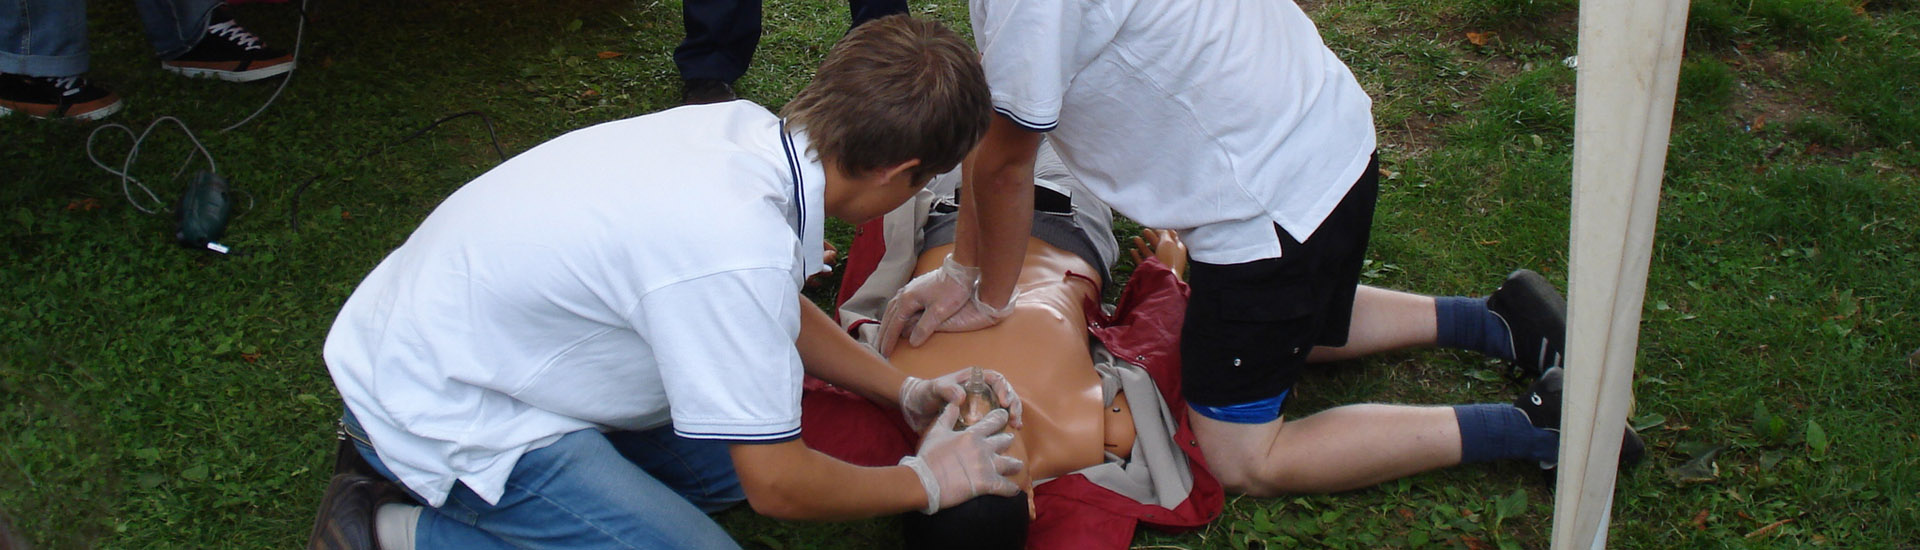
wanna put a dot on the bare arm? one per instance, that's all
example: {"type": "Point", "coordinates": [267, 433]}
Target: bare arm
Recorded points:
{"type": "Point", "coordinates": [996, 213]}
{"type": "Point", "coordinates": [790, 481]}
{"type": "Point", "coordinates": [829, 354]}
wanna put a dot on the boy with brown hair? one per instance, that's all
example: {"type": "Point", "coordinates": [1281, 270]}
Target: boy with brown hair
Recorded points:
{"type": "Point", "coordinates": [558, 358]}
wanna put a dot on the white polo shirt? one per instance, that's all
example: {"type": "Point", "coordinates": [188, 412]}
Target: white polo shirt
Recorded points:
{"type": "Point", "coordinates": [624, 276]}
{"type": "Point", "coordinates": [1218, 118]}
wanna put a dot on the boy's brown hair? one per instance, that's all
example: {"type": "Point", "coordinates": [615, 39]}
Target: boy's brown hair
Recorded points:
{"type": "Point", "coordinates": [895, 89]}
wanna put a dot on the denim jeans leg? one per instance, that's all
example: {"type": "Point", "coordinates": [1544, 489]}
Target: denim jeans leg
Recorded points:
{"type": "Point", "coordinates": [699, 470]}
{"type": "Point", "coordinates": [579, 492]}
{"type": "Point", "coordinates": [174, 26]}
{"type": "Point", "coordinates": [43, 37]}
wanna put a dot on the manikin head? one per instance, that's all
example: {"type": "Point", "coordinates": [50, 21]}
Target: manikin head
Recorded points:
{"type": "Point", "coordinates": [896, 101]}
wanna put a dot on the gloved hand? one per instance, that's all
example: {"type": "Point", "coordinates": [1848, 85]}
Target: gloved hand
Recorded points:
{"type": "Point", "coordinates": [921, 400]}
{"type": "Point", "coordinates": [942, 300]}
{"type": "Point", "coordinates": [956, 465]}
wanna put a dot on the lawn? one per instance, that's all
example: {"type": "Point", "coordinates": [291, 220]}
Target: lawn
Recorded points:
{"type": "Point", "coordinates": [158, 397]}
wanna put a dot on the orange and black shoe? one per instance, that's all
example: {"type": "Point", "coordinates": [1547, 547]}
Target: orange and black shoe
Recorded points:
{"type": "Point", "coordinates": [228, 52]}
{"type": "Point", "coordinates": [63, 97]}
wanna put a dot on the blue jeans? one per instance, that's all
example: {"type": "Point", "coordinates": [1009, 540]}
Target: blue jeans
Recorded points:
{"type": "Point", "coordinates": [49, 37]}
{"type": "Point", "coordinates": [646, 489]}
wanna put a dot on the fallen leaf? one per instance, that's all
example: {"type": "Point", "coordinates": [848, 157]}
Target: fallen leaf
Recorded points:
{"type": "Point", "coordinates": [610, 54]}
{"type": "Point", "coordinates": [1474, 543]}
{"type": "Point", "coordinates": [1769, 528]}
{"type": "Point", "coordinates": [1406, 514]}
{"type": "Point", "coordinates": [1701, 469]}
{"type": "Point", "coordinates": [250, 357]}
{"type": "Point", "coordinates": [83, 205]}
{"type": "Point", "coordinates": [1760, 122]}
{"type": "Point", "coordinates": [590, 93]}
{"type": "Point", "coordinates": [1700, 520]}
{"type": "Point", "coordinates": [1479, 38]}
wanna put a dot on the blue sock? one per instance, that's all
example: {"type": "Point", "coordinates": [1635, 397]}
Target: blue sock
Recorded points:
{"type": "Point", "coordinates": [1498, 431]}
{"type": "Point", "coordinates": [1465, 323]}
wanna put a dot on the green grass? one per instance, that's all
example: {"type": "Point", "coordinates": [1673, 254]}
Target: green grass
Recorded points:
{"type": "Point", "coordinates": [156, 397]}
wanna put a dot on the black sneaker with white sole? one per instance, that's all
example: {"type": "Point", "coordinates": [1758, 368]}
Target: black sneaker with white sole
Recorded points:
{"type": "Point", "coordinates": [1535, 315]}
{"type": "Point", "coordinates": [61, 97]}
{"type": "Point", "coordinates": [1541, 404]}
{"type": "Point", "coordinates": [228, 52]}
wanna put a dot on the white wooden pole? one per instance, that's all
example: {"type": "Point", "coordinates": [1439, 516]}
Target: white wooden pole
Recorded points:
{"type": "Point", "coordinates": [1628, 65]}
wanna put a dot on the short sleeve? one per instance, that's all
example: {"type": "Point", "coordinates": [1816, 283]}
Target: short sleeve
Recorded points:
{"type": "Point", "coordinates": [725, 348]}
{"type": "Point", "coordinates": [1032, 49]}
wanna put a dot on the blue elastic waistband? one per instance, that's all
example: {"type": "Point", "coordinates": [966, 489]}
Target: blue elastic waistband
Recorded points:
{"type": "Point", "coordinates": [1257, 412]}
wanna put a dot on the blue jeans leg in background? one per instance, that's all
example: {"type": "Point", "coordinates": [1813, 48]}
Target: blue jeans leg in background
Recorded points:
{"type": "Point", "coordinates": [43, 37]}
{"type": "Point", "coordinates": [174, 26]}
{"type": "Point", "coordinates": [49, 37]}
{"type": "Point", "coordinates": [648, 489]}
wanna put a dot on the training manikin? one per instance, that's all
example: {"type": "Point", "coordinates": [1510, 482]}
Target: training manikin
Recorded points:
{"type": "Point", "coordinates": [1086, 414]}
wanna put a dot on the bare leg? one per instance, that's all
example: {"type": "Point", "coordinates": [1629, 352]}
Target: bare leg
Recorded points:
{"type": "Point", "coordinates": [1383, 320]}
{"type": "Point", "coordinates": [1338, 449]}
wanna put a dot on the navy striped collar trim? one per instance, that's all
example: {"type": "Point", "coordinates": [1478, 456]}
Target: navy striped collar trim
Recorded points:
{"type": "Point", "coordinates": [774, 437]}
{"type": "Point", "coordinates": [799, 189]}
{"type": "Point", "coordinates": [1028, 124]}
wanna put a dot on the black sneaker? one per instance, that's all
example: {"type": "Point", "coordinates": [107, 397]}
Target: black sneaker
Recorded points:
{"type": "Point", "coordinates": [1536, 319]}
{"type": "Point", "coordinates": [1541, 404]}
{"type": "Point", "coordinates": [228, 52]}
{"type": "Point", "coordinates": [345, 520]}
{"type": "Point", "coordinates": [701, 91]}
{"type": "Point", "coordinates": [70, 97]}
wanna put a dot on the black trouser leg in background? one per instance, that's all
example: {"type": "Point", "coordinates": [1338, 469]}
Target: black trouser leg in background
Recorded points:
{"type": "Point", "coordinates": [722, 34]}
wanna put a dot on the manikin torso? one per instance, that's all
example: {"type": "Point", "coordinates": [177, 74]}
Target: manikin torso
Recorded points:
{"type": "Point", "coordinates": [1042, 350]}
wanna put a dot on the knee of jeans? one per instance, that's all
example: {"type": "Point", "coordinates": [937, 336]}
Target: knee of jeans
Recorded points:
{"type": "Point", "coordinates": [719, 494]}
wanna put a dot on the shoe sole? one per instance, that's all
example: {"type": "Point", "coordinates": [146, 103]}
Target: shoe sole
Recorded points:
{"type": "Point", "coordinates": [231, 76]}
{"type": "Point", "coordinates": [89, 116]}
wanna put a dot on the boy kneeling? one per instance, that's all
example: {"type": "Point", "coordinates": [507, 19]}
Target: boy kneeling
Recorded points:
{"type": "Point", "coordinates": [603, 338]}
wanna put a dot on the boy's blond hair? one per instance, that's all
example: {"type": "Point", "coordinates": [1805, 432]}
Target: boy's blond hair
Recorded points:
{"type": "Point", "coordinates": [895, 89]}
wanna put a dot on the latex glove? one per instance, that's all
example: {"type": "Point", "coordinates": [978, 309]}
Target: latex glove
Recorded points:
{"type": "Point", "coordinates": [917, 317]}
{"type": "Point", "coordinates": [921, 400]}
{"type": "Point", "coordinates": [928, 299]}
{"type": "Point", "coordinates": [956, 465]}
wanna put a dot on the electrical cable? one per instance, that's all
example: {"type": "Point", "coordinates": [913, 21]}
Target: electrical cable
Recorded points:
{"type": "Point", "coordinates": [127, 181]}
{"type": "Point", "coordinates": [299, 36]}
{"type": "Point", "coordinates": [293, 203]}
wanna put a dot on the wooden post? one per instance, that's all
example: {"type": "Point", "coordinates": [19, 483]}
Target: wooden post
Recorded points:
{"type": "Point", "coordinates": [1629, 63]}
